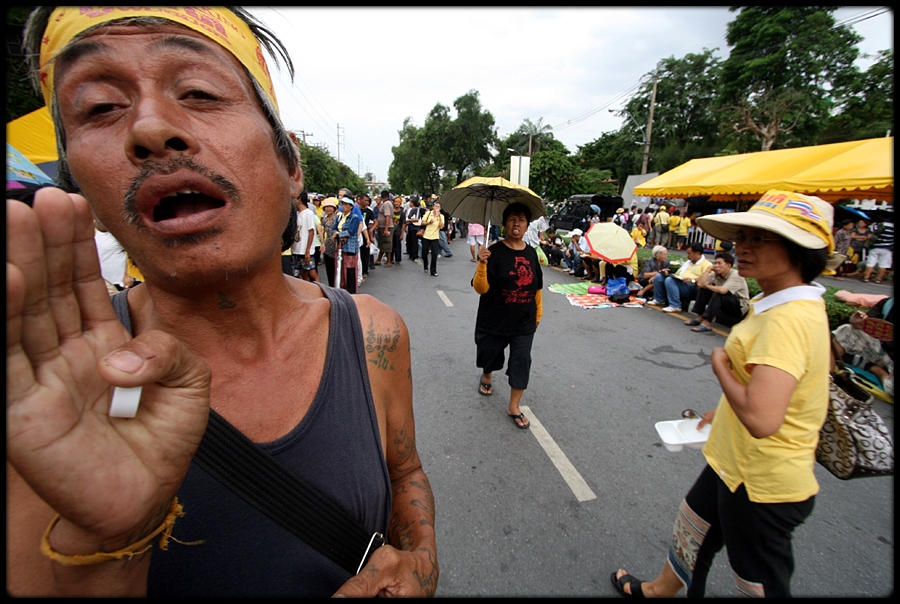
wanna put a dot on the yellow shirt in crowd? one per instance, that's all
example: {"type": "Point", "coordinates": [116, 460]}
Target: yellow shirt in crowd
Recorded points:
{"type": "Point", "coordinates": [787, 330]}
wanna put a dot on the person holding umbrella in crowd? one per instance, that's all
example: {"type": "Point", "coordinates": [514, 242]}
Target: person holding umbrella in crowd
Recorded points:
{"type": "Point", "coordinates": [508, 277]}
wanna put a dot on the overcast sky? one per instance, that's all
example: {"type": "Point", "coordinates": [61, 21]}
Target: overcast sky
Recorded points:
{"type": "Point", "coordinates": [360, 72]}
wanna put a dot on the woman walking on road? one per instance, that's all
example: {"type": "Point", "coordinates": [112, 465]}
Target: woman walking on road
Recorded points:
{"type": "Point", "coordinates": [758, 484]}
{"type": "Point", "coordinates": [508, 277]}
{"type": "Point", "coordinates": [432, 222]}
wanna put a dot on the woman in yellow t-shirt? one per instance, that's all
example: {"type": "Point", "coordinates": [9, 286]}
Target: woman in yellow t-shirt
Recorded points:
{"type": "Point", "coordinates": [639, 234]}
{"type": "Point", "coordinates": [433, 221]}
{"type": "Point", "coordinates": [683, 226]}
{"type": "Point", "coordinates": [759, 484]}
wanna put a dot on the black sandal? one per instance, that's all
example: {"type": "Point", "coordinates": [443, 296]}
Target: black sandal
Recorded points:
{"type": "Point", "coordinates": [488, 387]}
{"type": "Point", "coordinates": [632, 582]}
{"type": "Point", "coordinates": [520, 417]}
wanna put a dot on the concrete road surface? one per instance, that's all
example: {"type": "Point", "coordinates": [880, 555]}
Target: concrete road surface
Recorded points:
{"type": "Point", "coordinates": [554, 510]}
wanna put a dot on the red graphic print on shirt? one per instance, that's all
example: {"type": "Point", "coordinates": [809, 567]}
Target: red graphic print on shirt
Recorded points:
{"type": "Point", "coordinates": [524, 277]}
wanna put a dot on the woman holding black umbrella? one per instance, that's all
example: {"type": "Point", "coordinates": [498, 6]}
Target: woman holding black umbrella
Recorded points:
{"type": "Point", "coordinates": [508, 277]}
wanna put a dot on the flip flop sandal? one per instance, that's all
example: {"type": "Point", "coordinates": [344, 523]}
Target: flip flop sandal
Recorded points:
{"type": "Point", "coordinates": [702, 328]}
{"type": "Point", "coordinates": [520, 417]}
{"type": "Point", "coordinates": [486, 386]}
{"type": "Point", "coordinates": [692, 323]}
{"type": "Point", "coordinates": [632, 582]}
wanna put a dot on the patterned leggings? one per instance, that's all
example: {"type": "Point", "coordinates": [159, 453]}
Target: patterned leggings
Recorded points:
{"type": "Point", "coordinates": [757, 537]}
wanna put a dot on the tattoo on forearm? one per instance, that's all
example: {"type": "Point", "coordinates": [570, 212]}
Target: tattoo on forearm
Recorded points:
{"type": "Point", "coordinates": [380, 345]}
{"type": "Point", "coordinates": [224, 302]}
{"type": "Point", "coordinates": [428, 580]}
{"type": "Point", "coordinates": [404, 445]}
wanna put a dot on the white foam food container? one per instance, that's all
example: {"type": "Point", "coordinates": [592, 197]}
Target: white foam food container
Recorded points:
{"type": "Point", "coordinates": [680, 433]}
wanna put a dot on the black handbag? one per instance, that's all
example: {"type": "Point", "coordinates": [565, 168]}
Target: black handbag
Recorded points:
{"type": "Point", "coordinates": [854, 441]}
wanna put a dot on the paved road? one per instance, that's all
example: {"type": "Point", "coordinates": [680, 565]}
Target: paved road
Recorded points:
{"type": "Point", "coordinates": [553, 510]}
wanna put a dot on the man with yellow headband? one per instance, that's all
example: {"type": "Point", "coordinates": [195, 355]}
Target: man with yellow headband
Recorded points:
{"type": "Point", "coordinates": [167, 122]}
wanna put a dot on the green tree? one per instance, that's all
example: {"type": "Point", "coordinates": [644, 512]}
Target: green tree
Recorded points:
{"type": "Point", "coordinates": [413, 168]}
{"type": "Point", "coordinates": [530, 137]}
{"type": "Point", "coordinates": [467, 140]}
{"type": "Point", "coordinates": [554, 175]}
{"type": "Point", "coordinates": [868, 107]}
{"type": "Point", "coordinates": [787, 67]}
{"type": "Point", "coordinates": [597, 181]}
{"type": "Point", "coordinates": [685, 120]}
{"type": "Point", "coordinates": [324, 174]}
{"type": "Point", "coordinates": [614, 151]}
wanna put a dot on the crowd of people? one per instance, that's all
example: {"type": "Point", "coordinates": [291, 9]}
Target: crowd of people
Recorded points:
{"type": "Point", "coordinates": [867, 248]}
{"type": "Point", "coordinates": [350, 237]}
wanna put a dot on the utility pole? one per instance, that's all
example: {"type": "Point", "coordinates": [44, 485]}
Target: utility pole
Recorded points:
{"type": "Point", "coordinates": [529, 145]}
{"type": "Point", "coordinates": [649, 125]}
{"type": "Point", "coordinates": [338, 142]}
{"type": "Point", "coordinates": [304, 134]}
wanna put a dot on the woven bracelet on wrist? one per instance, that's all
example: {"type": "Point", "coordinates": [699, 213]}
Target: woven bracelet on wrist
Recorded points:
{"type": "Point", "coordinates": [130, 551]}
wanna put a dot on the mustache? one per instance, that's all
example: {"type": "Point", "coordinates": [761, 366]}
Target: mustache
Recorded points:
{"type": "Point", "coordinates": [182, 162]}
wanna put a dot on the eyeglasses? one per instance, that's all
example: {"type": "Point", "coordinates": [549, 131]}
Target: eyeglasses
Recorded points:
{"type": "Point", "coordinates": [753, 240]}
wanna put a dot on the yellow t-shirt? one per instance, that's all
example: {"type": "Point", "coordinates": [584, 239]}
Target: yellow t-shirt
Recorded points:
{"type": "Point", "coordinates": [639, 235]}
{"type": "Point", "coordinates": [694, 271]}
{"type": "Point", "coordinates": [674, 221]}
{"type": "Point", "coordinates": [433, 229]}
{"type": "Point", "coordinates": [683, 226]}
{"type": "Point", "coordinates": [787, 330]}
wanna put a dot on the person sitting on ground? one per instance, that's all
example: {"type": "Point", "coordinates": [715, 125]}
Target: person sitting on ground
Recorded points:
{"type": "Point", "coordinates": [862, 351]}
{"type": "Point", "coordinates": [631, 267]}
{"type": "Point", "coordinates": [722, 295]}
{"type": "Point", "coordinates": [577, 250]}
{"type": "Point", "coordinates": [591, 268]}
{"type": "Point", "coordinates": [658, 261]}
{"type": "Point", "coordinates": [671, 291]}
{"type": "Point", "coordinates": [553, 246]}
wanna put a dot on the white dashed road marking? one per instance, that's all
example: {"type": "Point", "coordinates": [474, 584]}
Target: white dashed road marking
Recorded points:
{"type": "Point", "coordinates": [578, 485]}
{"type": "Point", "coordinates": [444, 298]}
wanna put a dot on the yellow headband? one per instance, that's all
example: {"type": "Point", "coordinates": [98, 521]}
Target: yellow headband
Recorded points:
{"type": "Point", "coordinates": [218, 24]}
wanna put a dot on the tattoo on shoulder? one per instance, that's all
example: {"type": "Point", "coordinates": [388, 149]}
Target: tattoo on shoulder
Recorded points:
{"type": "Point", "coordinates": [378, 345]}
{"type": "Point", "coordinates": [224, 302]}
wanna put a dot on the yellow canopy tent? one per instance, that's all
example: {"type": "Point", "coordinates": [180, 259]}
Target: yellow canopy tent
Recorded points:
{"type": "Point", "coordinates": [33, 134]}
{"type": "Point", "coordinates": [854, 170]}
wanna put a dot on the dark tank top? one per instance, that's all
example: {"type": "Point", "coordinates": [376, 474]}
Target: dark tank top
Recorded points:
{"type": "Point", "coordinates": [335, 448]}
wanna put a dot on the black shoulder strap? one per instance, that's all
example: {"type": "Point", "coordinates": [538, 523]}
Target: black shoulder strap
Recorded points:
{"type": "Point", "coordinates": [242, 466]}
